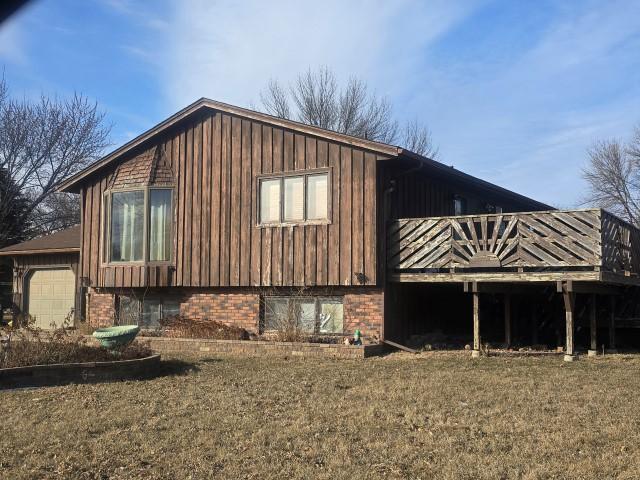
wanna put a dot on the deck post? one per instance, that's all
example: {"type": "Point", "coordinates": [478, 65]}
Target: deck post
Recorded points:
{"type": "Point", "coordinates": [569, 304]}
{"type": "Point", "coordinates": [476, 324]}
{"type": "Point", "coordinates": [534, 326]}
{"type": "Point", "coordinates": [507, 320]}
{"type": "Point", "coordinates": [612, 326]}
{"type": "Point", "coordinates": [593, 327]}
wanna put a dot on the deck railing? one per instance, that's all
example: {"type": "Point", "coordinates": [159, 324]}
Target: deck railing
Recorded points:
{"type": "Point", "coordinates": [566, 239]}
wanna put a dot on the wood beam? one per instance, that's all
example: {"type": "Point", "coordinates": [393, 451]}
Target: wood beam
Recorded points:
{"type": "Point", "coordinates": [612, 324]}
{"type": "Point", "coordinates": [593, 326]}
{"type": "Point", "coordinates": [588, 287]}
{"type": "Point", "coordinates": [507, 320]}
{"type": "Point", "coordinates": [534, 326]}
{"type": "Point", "coordinates": [499, 288]}
{"type": "Point", "coordinates": [569, 306]}
{"type": "Point", "coordinates": [476, 325]}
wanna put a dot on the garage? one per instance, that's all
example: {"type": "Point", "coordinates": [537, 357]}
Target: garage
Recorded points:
{"type": "Point", "coordinates": [51, 296]}
{"type": "Point", "coordinates": [45, 279]}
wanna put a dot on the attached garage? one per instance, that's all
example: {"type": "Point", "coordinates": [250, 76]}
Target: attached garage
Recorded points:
{"type": "Point", "coordinates": [50, 296]}
{"type": "Point", "coordinates": [45, 283]}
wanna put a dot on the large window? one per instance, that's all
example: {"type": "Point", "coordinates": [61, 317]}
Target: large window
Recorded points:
{"type": "Point", "coordinates": [294, 198]}
{"type": "Point", "coordinates": [318, 315]}
{"type": "Point", "coordinates": [138, 225]}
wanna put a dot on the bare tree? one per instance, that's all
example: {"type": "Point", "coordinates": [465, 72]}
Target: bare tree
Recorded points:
{"type": "Point", "coordinates": [613, 177]}
{"type": "Point", "coordinates": [43, 142]}
{"type": "Point", "coordinates": [316, 98]}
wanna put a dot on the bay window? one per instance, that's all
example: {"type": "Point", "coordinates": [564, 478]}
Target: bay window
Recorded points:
{"type": "Point", "coordinates": [294, 198]}
{"type": "Point", "coordinates": [138, 225]}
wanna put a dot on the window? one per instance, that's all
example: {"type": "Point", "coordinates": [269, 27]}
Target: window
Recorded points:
{"type": "Point", "coordinates": [459, 206]}
{"type": "Point", "coordinates": [127, 226]}
{"type": "Point", "coordinates": [145, 313]}
{"type": "Point", "coordinates": [294, 198]}
{"type": "Point", "coordinates": [138, 225]}
{"type": "Point", "coordinates": [319, 315]}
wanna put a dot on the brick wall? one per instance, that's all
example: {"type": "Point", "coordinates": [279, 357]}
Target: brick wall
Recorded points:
{"type": "Point", "coordinates": [101, 308]}
{"type": "Point", "coordinates": [364, 311]}
{"type": "Point", "coordinates": [363, 307]}
{"type": "Point", "coordinates": [239, 309]}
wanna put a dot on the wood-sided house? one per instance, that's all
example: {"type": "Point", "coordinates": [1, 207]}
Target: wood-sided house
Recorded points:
{"type": "Point", "coordinates": [219, 211]}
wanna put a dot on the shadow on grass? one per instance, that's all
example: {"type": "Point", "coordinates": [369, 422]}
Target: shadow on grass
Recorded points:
{"type": "Point", "coordinates": [174, 366]}
{"type": "Point", "coordinates": [209, 360]}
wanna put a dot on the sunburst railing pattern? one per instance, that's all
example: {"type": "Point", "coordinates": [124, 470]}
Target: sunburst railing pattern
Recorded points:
{"type": "Point", "coordinates": [561, 239]}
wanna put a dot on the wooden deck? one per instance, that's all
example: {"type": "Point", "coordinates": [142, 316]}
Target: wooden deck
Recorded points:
{"type": "Point", "coordinates": [590, 245]}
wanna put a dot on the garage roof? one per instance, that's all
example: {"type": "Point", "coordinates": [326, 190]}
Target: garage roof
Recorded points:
{"type": "Point", "coordinates": [63, 241]}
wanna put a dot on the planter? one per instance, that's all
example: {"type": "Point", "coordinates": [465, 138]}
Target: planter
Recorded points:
{"type": "Point", "coordinates": [115, 337]}
{"type": "Point", "coordinates": [88, 372]}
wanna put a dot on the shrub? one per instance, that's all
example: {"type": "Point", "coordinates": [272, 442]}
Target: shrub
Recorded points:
{"type": "Point", "coordinates": [178, 326]}
{"type": "Point", "coordinates": [32, 346]}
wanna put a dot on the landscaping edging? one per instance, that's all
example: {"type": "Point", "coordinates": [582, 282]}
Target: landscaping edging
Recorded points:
{"type": "Point", "coordinates": [88, 372]}
{"type": "Point", "coordinates": [197, 346]}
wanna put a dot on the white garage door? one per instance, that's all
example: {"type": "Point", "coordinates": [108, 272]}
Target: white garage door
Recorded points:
{"type": "Point", "coordinates": [51, 296]}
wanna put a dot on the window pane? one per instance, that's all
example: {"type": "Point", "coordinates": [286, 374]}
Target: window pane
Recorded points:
{"type": "Point", "coordinates": [275, 313]}
{"type": "Point", "coordinates": [170, 308]}
{"type": "Point", "coordinates": [317, 197]}
{"type": "Point", "coordinates": [270, 201]}
{"type": "Point", "coordinates": [331, 316]}
{"type": "Point", "coordinates": [128, 311]}
{"type": "Point", "coordinates": [294, 198]}
{"type": "Point", "coordinates": [307, 315]}
{"type": "Point", "coordinates": [150, 312]}
{"type": "Point", "coordinates": [127, 226]}
{"type": "Point", "coordinates": [161, 216]}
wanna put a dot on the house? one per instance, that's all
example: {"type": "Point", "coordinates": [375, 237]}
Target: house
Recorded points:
{"type": "Point", "coordinates": [224, 213]}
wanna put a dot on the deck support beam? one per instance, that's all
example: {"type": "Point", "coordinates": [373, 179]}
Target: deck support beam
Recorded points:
{"type": "Point", "coordinates": [569, 306]}
{"type": "Point", "coordinates": [476, 325]}
{"type": "Point", "coordinates": [507, 320]}
{"type": "Point", "coordinates": [612, 325]}
{"type": "Point", "coordinates": [593, 327]}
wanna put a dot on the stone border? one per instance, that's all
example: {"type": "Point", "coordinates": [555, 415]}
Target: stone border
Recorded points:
{"type": "Point", "coordinates": [88, 372]}
{"type": "Point", "coordinates": [200, 346]}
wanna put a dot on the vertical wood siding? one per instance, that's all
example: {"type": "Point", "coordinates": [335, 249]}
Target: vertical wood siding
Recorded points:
{"type": "Point", "coordinates": [216, 160]}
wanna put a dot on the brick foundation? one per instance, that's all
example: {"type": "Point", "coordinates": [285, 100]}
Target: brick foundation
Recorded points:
{"type": "Point", "coordinates": [363, 307]}
{"type": "Point", "coordinates": [100, 308]}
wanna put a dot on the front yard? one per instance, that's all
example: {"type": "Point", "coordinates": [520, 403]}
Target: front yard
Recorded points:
{"type": "Point", "coordinates": [437, 415]}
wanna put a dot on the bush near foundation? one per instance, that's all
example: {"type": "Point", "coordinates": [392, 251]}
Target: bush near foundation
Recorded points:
{"type": "Point", "coordinates": [178, 326]}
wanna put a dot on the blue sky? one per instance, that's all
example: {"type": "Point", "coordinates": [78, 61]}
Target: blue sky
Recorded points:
{"type": "Point", "coordinates": [513, 91]}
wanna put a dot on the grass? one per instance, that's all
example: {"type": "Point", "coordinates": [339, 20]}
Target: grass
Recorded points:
{"type": "Point", "coordinates": [435, 415]}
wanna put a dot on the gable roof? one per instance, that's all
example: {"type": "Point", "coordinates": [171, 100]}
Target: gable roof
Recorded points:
{"type": "Point", "coordinates": [64, 241]}
{"type": "Point", "coordinates": [72, 184]}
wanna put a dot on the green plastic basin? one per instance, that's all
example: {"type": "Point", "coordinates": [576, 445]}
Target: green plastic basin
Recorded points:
{"type": "Point", "coordinates": [114, 337]}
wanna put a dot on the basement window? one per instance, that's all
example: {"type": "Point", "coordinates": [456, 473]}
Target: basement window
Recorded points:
{"type": "Point", "coordinates": [313, 315]}
{"type": "Point", "coordinates": [296, 198]}
{"type": "Point", "coordinates": [146, 312]}
{"type": "Point", "coordinates": [138, 225]}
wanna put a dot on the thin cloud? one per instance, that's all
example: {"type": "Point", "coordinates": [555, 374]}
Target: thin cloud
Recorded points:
{"type": "Point", "coordinates": [228, 50]}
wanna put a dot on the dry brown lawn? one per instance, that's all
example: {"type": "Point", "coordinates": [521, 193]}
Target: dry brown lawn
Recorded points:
{"type": "Point", "coordinates": [399, 416]}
